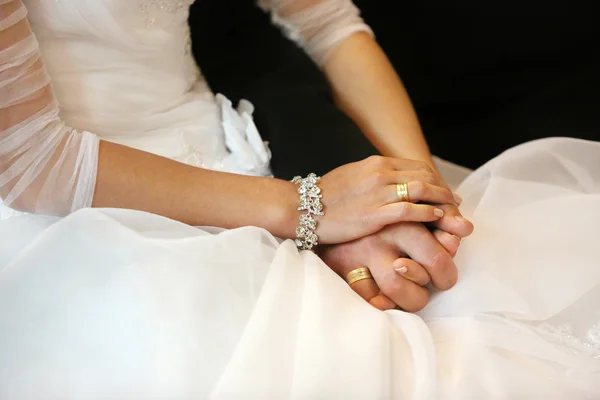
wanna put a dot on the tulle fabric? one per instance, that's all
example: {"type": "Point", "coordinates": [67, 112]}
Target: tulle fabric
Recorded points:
{"type": "Point", "coordinates": [45, 166]}
{"type": "Point", "coordinates": [122, 304]}
{"type": "Point", "coordinates": [524, 319]}
{"type": "Point", "coordinates": [318, 26]}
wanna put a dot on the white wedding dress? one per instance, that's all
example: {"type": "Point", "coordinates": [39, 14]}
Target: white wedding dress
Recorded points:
{"type": "Point", "coordinates": [119, 304]}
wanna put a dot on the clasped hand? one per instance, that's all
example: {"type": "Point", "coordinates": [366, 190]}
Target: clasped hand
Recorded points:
{"type": "Point", "coordinates": [406, 245]}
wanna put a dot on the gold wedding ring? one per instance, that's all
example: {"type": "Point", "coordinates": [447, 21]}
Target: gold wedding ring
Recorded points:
{"type": "Point", "coordinates": [358, 274]}
{"type": "Point", "coordinates": [402, 191]}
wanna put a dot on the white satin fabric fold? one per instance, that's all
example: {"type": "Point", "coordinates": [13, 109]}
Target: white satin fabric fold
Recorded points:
{"type": "Point", "coordinates": [120, 304]}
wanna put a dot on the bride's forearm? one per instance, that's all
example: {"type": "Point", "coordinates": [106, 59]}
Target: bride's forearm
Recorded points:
{"type": "Point", "coordinates": [48, 167]}
{"type": "Point", "coordinates": [132, 179]}
{"type": "Point", "coordinates": [367, 88]}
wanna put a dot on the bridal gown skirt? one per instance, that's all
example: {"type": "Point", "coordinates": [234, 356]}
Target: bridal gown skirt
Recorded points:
{"type": "Point", "coordinates": [116, 304]}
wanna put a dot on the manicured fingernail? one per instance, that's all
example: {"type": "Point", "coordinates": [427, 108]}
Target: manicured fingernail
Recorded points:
{"type": "Point", "coordinates": [438, 212]}
{"type": "Point", "coordinates": [457, 199]}
{"type": "Point", "coordinates": [401, 270]}
{"type": "Point", "coordinates": [461, 219]}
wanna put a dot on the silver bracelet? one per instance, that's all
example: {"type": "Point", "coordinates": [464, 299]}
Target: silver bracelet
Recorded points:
{"type": "Point", "coordinates": [310, 201]}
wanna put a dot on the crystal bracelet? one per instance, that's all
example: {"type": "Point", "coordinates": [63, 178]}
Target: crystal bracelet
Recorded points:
{"type": "Point", "coordinates": [310, 201]}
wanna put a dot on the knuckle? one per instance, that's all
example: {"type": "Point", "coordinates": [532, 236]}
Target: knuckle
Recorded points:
{"type": "Point", "coordinates": [455, 243]}
{"type": "Point", "coordinates": [365, 217]}
{"type": "Point", "coordinates": [403, 210]}
{"type": "Point", "coordinates": [417, 301]}
{"type": "Point", "coordinates": [451, 242]}
{"type": "Point", "coordinates": [419, 189]}
{"type": "Point", "coordinates": [447, 195]}
{"type": "Point", "coordinates": [379, 178]}
{"type": "Point", "coordinates": [443, 269]}
{"type": "Point", "coordinates": [441, 261]}
{"type": "Point", "coordinates": [429, 177]}
{"type": "Point", "coordinates": [422, 277]}
{"type": "Point", "coordinates": [376, 161]}
{"type": "Point", "coordinates": [423, 166]}
{"type": "Point", "coordinates": [382, 303]}
{"type": "Point", "coordinates": [391, 287]}
{"type": "Point", "coordinates": [422, 235]}
{"type": "Point", "coordinates": [451, 210]}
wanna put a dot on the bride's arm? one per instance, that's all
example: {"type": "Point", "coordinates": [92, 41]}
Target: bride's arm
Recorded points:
{"type": "Point", "coordinates": [363, 81]}
{"type": "Point", "coordinates": [48, 167]}
{"type": "Point", "coordinates": [368, 89]}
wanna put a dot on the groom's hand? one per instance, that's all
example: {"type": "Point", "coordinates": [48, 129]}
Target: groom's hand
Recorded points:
{"type": "Point", "coordinates": [403, 258]}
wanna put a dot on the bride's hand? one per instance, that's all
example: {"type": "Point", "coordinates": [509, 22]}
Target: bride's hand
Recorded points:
{"type": "Point", "coordinates": [361, 198]}
{"type": "Point", "coordinates": [453, 222]}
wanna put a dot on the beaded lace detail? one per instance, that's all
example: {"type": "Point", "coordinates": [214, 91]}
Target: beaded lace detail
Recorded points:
{"type": "Point", "coordinates": [589, 343]}
{"type": "Point", "coordinates": [151, 8]}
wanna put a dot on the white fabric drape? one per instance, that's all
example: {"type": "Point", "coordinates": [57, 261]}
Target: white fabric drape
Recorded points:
{"type": "Point", "coordinates": [45, 166]}
{"type": "Point", "coordinates": [114, 304]}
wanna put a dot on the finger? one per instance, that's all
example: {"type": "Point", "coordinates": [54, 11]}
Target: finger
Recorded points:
{"type": "Point", "coordinates": [342, 259]}
{"type": "Point", "coordinates": [419, 191]}
{"type": "Point", "coordinates": [450, 242]}
{"type": "Point", "coordinates": [382, 302]}
{"type": "Point", "coordinates": [370, 292]}
{"type": "Point", "coordinates": [411, 270]}
{"type": "Point", "coordinates": [421, 246]}
{"type": "Point", "coordinates": [406, 212]}
{"type": "Point", "coordinates": [453, 222]}
{"type": "Point", "coordinates": [406, 294]}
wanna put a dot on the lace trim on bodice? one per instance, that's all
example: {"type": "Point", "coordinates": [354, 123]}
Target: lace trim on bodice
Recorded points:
{"type": "Point", "coordinates": [152, 8]}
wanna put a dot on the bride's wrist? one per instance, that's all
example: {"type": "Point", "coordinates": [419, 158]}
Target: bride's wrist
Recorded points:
{"type": "Point", "coordinates": [285, 210]}
{"type": "Point", "coordinates": [296, 205]}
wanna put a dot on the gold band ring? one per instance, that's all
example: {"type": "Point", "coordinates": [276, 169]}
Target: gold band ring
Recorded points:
{"type": "Point", "coordinates": [402, 192]}
{"type": "Point", "coordinates": [358, 274]}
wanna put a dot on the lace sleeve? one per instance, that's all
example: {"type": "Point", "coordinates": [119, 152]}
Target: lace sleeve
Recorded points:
{"type": "Point", "coordinates": [45, 166]}
{"type": "Point", "coordinates": [318, 26]}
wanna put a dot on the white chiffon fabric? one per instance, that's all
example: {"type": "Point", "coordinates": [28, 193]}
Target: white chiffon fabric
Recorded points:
{"type": "Point", "coordinates": [45, 166]}
{"type": "Point", "coordinates": [114, 304]}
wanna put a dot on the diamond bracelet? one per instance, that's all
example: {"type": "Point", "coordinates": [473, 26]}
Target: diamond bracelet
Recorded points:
{"type": "Point", "coordinates": [310, 201]}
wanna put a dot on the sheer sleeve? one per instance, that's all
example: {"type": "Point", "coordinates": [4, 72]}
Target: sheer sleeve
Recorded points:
{"type": "Point", "coordinates": [318, 26]}
{"type": "Point", "coordinates": [45, 166]}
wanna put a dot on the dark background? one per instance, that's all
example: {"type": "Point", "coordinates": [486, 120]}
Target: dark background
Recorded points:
{"type": "Point", "coordinates": [484, 76]}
